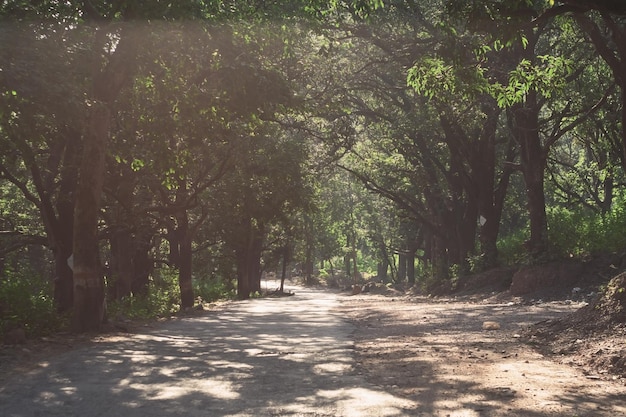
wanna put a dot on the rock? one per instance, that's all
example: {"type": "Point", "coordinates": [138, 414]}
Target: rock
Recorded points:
{"type": "Point", "coordinates": [491, 325]}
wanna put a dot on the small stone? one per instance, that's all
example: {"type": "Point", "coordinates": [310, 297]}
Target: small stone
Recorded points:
{"type": "Point", "coordinates": [491, 325]}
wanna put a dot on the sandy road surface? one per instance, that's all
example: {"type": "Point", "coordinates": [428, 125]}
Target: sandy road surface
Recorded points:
{"type": "Point", "coordinates": [437, 354]}
{"type": "Point", "coordinates": [286, 356]}
{"type": "Point", "coordinates": [318, 354]}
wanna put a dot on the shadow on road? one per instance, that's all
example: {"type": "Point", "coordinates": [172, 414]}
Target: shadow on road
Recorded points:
{"type": "Point", "coordinates": [439, 356]}
{"type": "Point", "coordinates": [269, 357]}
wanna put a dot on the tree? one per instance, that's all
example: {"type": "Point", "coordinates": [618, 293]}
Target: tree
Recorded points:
{"type": "Point", "coordinates": [39, 106]}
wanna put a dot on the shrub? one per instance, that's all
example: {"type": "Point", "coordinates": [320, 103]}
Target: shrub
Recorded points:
{"type": "Point", "coordinates": [163, 299]}
{"type": "Point", "coordinates": [579, 232]}
{"type": "Point", "coordinates": [511, 250]}
{"type": "Point", "coordinates": [213, 288]}
{"type": "Point", "coordinates": [26, 301]}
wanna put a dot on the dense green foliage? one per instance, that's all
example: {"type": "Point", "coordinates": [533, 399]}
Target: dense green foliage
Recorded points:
{"type": "Point", "coordinates": [413, 142]}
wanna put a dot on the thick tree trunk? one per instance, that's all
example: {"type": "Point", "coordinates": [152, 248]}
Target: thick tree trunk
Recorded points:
{"type": "Point", "coordinates": [438, 259]}
{"type": "Point", "coordinates": [89, 300]}
{"type": "Point", "coordinates": [121, 270]}
{"type": "Point", "coordinates": [489, 196]}
{"type": "Point", "coordinates": [64, 280]}
{"type": "Point", "coordinates": [185, 281]}
{"type": "Point", "coordinates": [243, 284]}
{"type": "Point", "coordinates": [185, 258]}
{"type": "Point", "coordinates": [254, 260]}
{"type": "Point", "coordinates": [533, 163]}
{"type": "Point", "coordinates": [248, 256]}
{"type": "Point", "coordinates": [108, 78]}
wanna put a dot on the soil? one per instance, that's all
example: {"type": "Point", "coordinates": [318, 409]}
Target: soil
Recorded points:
{"type": "Point", "coordinates": [459, 357]}
{"type": "Point", "coordinates": [557, 351]}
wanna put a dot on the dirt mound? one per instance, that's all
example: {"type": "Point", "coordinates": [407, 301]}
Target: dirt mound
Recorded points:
{"type": "Point", "coordinates": [593, 337]}
{"type": "Point", "coordinates": [557, 279]}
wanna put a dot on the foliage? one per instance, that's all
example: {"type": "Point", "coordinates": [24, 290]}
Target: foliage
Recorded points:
{"type": "Point", "coordinates": [579, 232]}
{"type": "Point", "coordinates": [161, 300]}
{"type": "Point", "coordinates": [26, 302]}
{"type": "Point", "coordinates": [511, 248]}
{"type": "Point", "coordinates": [210, 289]}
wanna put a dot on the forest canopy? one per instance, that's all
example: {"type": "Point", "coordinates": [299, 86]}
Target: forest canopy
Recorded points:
{"type": "Point", "coordinates": [156, 154]}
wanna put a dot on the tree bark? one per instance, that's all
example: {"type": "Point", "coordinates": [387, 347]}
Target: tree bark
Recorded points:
{"type": "Point", "coordinates": [533, 160]}
{"type": "Point", "coordinates": [383, 263]}
{"type": "Point", "coordinates": [121, 268]}
{"type": "Point", "coordinates": [402, 267]}
{"type": "Point", "coordinates": [410, 267]}
{"type": "Point", "coordinates": [89, 300]}
{"type": "Point", "coordinates": [286, 259]}
{"type": "Point", "coordinates": [248, 254]}
{"type": "Point", "coordinates": [108, 79]}
{"type": "Point", "coordinates": [142, 264]}
{"type": "Point", "coordinates": [185, 262]}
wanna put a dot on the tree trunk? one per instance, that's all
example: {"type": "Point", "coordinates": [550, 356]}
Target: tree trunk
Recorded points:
{"type": "Point", "coordinates": [121, 267]}
{"type": "Point", "coordinates": [108, 78]}
{"type": "Point", "coordinates": [142, 265]}
{"type": "Point", "coordinates": [438, 259]}
{"type": "Point", "coordinates": [308, 251]}
{"type": "Point", "coordinates": [410, 267]}
{"type": "Point", "coordinates": [185, 257]}
{"type": "Point", "coordinates": [490, 197]}
{"type": "Point", "coordinates": [401, 267]}
{"type": "Point", "coordinates": [355, 267]}
{"type": "Point", "coordinates": [533, 162]}
{"type": "Point", "coordinates": [286, 259]}
{"type": "Point", "coordinates": [243, 285]}
{"type": "Point", "coordinates": [248, 254]}
{"type": "Point", "coordinates": [89, 301]}
{"type": "Point", "coordinates": [64, 280]}
{"type": "Point", "coordinates": [383, 265]}
{"type": "Point", "coordinates": [254, 259]}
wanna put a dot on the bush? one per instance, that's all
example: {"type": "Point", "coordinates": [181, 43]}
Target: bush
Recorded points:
{"type": "Point", "coordinates": [212, 289]}
{"type": "Point", "coordinates": [511, 248]}
{"type": "Point", "coordinates": [163, 299]}
{"type": "Point", "coordinates": [579, 232]}
{"type": "Point", "coordinates": [26, 301]}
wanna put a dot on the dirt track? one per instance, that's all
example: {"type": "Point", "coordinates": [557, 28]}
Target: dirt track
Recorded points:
{"type": "Point", "coordinates": [286, 356]}
{"type": "Point", "coordinates": [295, 356]}
{"type": "Point", "coordinates": [437, 354]}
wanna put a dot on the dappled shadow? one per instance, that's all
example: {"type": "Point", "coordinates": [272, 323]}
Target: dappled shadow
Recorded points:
{"type": "Point", "coordinates": [438, 356]}
{"type": "Point", "coordinates": [263, 357]}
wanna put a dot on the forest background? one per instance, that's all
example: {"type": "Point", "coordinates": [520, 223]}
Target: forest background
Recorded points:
{"type": "Point", "coordinates": [156, 155]}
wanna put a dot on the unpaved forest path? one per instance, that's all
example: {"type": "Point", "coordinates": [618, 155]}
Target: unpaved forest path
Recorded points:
{"type": "Point", "coordinates": [289, 356]}
{"type": "Point", "coordinates": [436, 353]}
{"type": "Point", "coordinates": [295, 356]}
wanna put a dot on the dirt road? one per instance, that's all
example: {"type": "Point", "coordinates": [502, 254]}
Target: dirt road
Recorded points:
{"type": "Point", "coordinates": [295, 356]}
{"type": "Point", "coordinates": [287, 356]}
{"type": "Point", "coordinates": [438, 354]}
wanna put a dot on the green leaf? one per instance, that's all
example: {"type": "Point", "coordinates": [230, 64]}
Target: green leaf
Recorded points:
{"type": "Point", "coordinates": [137, 164]}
